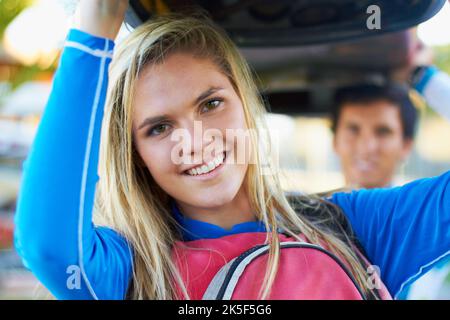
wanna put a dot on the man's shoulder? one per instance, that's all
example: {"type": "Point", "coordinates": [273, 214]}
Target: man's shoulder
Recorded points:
{"type": "Point", "coordinates": [329, 193]}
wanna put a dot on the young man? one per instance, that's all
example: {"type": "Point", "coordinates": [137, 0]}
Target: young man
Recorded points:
{"type": "Point", "coordinates": [373, 129]}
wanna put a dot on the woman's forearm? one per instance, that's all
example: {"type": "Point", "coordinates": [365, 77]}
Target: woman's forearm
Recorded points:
{"type": "Point", "coordinates": [54, 232]}
{"type": "Point", "coordinates": [54, 228]}
{"type": "Point", "coordinates": [101, 18]}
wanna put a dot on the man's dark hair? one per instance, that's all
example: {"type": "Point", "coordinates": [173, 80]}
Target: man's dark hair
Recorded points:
{"type": "Point", "coordinates": [366, 93]}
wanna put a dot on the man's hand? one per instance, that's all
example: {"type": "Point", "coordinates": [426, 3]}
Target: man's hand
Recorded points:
{"type": "Point", "coordinates": [101, 18]}
{"type": "Point", "coordinates": [418, 55]}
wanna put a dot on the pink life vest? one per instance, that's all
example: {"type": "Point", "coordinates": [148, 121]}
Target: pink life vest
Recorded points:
{"type": "Point", "coordinates": [303, 273]}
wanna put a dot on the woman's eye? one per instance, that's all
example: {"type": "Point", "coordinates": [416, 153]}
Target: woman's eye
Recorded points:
{"type": "Point", "coordinates": [157, 130]}
{"type": "Point", "coordinates": [210, 105]}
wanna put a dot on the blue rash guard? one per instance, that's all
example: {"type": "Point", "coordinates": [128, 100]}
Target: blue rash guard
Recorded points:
{"type": "Point", "coordinates": [405, 230]}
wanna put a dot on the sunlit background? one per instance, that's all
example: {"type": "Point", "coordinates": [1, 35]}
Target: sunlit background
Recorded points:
{"type": "Point", "coordinates": [31, 36]}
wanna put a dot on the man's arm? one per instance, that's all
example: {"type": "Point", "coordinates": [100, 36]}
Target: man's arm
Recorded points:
{"type": "Point", "coordinates": [404, 230]}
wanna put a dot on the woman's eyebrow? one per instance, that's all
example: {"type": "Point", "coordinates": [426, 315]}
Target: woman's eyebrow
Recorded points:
{"type": "Point", "coordinates": [153, 120]}
{"type": "Point", "coordinates": [205, 94]}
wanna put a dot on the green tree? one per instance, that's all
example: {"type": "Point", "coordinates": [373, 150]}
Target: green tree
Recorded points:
{"type": "Point", "coordinates": [9, 9]}
{"type": "Point", "coordinates": [442, 57]}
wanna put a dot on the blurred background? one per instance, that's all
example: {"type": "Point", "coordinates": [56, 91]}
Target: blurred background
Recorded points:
{"type": "Point", "coordinates": [32, 33]}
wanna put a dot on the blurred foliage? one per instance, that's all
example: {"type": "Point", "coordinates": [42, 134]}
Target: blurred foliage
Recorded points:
{"type": "Point", "coordinates": [29, 73]}
{"type": "Point", "coordinates": [9, 9]}
{"type": "Point", "coordinates": [442, 57]}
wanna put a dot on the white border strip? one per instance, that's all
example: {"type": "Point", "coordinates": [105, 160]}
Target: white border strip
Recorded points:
{"type": "Point", "coordinates": [95, 52]}
{"type": "Point", "coordinates": [85, 169]}
{"type": "Point", "coordinates": [419, 273]}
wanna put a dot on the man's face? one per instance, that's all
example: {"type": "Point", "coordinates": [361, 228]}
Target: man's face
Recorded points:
{"type": "Point", "coordinates": [369, 142]}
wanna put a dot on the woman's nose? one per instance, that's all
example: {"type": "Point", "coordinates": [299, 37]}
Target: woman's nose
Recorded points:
{"type": "Point", "coordinates": [206, 142]}
{"type": "Point", "coordinates": [195, 140]}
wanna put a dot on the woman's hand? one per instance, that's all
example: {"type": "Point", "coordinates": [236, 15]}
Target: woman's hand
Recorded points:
{"type": "Point", "coordinates": [101, 18]}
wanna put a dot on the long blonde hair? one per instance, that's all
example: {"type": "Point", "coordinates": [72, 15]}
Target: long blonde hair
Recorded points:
{"type": "Point", "coordinates": [128, 199]}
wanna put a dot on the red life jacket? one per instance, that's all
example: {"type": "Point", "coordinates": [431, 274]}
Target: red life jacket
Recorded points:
{"type": "Point", "coordinates": [304, 273]}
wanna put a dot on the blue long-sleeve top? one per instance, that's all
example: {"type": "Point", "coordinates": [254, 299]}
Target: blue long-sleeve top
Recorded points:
{"type": "Point", "coordinates": [405, 230]}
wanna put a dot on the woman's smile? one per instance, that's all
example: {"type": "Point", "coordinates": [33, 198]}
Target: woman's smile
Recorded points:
{"type": "Point", "coordinates": [208, 170]}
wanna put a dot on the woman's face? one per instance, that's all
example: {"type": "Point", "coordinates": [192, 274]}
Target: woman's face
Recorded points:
{"type": "Point", "coordinates": [184, 111]}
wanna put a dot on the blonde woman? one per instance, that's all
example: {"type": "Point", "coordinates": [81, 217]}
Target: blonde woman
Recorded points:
{"type": "Point", "coordinates": [163, 227]}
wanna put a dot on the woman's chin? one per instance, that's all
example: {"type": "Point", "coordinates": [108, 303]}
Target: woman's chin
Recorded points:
{"type": "Point", "coordinates": [215, 196]}
{"type": "Point", "coordinates": [207, 193]}
{"type": "Point", "coordinates": [211, 199]}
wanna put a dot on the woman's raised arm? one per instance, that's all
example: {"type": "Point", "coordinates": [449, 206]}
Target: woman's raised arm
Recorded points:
{"type": "Point", "coordinates": [54, 232]}
{"type": "Point", "coordinates": [101, 18]}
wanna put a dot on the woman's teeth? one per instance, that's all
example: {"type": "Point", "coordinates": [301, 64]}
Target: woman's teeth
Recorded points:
{"type": "Point", "coordinates": [210, 166]}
